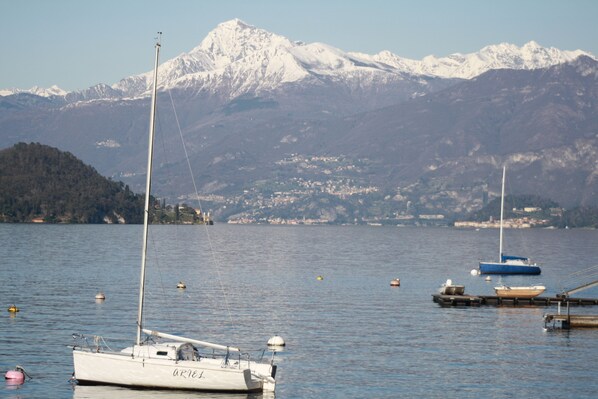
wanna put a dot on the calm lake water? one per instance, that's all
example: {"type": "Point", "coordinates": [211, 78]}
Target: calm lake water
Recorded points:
{"type": "Point", "coordinates": [350, 335]}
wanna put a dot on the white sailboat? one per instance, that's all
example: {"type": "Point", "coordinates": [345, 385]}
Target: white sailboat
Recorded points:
{"type": "Point", "coordinates": [175, 363]}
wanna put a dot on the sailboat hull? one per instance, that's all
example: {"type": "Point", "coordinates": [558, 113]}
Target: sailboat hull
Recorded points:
{"type": "Point", "coordinates": [116, 368]}
{"type": "Point", "coordinates": [506, 268]}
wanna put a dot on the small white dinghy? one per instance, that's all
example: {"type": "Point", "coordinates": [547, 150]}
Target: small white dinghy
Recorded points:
{"type": "Point", "coordinates": [531, 291]}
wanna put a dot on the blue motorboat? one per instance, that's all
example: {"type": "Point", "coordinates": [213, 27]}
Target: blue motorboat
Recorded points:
{"type": "Point", "coordinates": [508, 264]}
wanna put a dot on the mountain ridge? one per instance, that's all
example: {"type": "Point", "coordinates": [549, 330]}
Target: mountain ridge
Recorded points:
{"type": "Point", "coordinates": [238, 58]}
{"type": "Point", "coordinates": [278, 129]}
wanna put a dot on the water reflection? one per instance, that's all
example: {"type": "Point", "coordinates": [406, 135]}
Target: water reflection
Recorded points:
{"type": "Point", "coordinates": [102, 392]}
{"type": "Point", "coordinates": [11, 384]}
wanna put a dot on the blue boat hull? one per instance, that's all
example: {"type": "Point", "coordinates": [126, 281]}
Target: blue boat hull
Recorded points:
{"type": "Point", "coordinates": [506, 268]}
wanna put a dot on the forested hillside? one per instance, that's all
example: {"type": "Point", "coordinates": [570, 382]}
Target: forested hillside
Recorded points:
{"type": "Point", "coordinates": [42, 183]}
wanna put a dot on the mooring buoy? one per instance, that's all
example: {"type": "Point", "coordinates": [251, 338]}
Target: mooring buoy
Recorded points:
{"type": "Point", "coordinates": [16, 376]}
{"type": "Point", "coordinates": [276, 340]}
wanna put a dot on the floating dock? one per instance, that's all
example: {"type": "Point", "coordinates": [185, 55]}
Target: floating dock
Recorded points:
{"type": "Point", "coordinates": [484, 300]}
{"type": "Point", "coordinates": [566, 322]}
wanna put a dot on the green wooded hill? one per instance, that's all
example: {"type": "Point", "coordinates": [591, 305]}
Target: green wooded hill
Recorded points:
{"type": "Point", "coordinates": [38, 182]}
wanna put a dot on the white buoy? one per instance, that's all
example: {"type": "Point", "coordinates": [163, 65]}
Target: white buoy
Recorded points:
{"type": "Point", "coordinates": [276, 341]}
{"type": "Point", "coordinates": [100, 296]}
{"type": "Point", "coordinates": [474, 272]}
{"type": "Point", "coordinates": [488, 278]}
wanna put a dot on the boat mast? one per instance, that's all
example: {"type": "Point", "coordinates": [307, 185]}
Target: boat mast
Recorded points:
{"type": "Point", "coordinates": [502, 209]}
{"type": "Point", "coordinates": [148, 184]}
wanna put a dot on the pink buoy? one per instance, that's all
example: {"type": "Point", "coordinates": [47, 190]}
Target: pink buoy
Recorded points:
{"type": "Point", "coordinates": [16, 376]}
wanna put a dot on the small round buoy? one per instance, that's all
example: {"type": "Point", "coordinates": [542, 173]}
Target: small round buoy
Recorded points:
{"type": "Point", "coordinates": [13, 309]}
{"type": "Point", "coordinates": [16, 376]}
{"type": "Point", "coordinates": [488, 278]}
{"type": "Point", "coordinates": [320, 278]}
{"type": "Point", "coordinates": [474, 272]}
{"type": "Point", "coordinates": [181, 285]}
{"type": "Point", "coordinates": [100, 296]}
{"type": "Point", "coordinates": [395, 282]}
{"type": "Point", "coordinates": [276, 341]}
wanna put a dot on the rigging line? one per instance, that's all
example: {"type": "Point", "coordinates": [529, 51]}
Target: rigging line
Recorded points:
{"type": "Point", "coordinates": [156, 260]}
{"type": "Point", "coordinates": [520, 234]}
{"type": "Point", "coordinates": [577, 278]}
{"type": "Point", "coordinates": [582, 271]}
{"type": "Point", "coordinates": [163, 298]}
{"type": "Point", "coordinates": [581, 274]}
{"type": "Point", "coordinates": [214, 259]}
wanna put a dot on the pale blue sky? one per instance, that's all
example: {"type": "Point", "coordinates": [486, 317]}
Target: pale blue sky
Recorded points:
{"type": "Point", "coordinates": [76, 44]}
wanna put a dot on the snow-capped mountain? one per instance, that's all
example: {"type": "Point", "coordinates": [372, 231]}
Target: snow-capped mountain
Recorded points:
{"type": "Point", "coordinates": [236, 59]}
{"type": "Point", "coordinates": [38, 91]}
{"type": "Point", "coordinates": [467, 66]}
{"type": "Point", "coordinates": [247, 100]}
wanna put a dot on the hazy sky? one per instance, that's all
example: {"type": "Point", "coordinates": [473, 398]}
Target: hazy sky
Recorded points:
{"type": "Point", "coordinates": [76, 44]}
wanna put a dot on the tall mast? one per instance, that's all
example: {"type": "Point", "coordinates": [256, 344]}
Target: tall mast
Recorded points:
{"type": "Point", "coordinates": [148, 184]}
{"type": "Point", "coordinates": [502, 210]}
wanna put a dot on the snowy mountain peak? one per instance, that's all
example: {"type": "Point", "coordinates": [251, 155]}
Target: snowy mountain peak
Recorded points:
{"type": "Point", "coordinates": [234, 40]}
{"type": "Point", "coordinates": [497, 56]}
{"type": "Point", "coordinates": [38, 91]}
{"type": "Point", "coordinates": [532, 44]}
